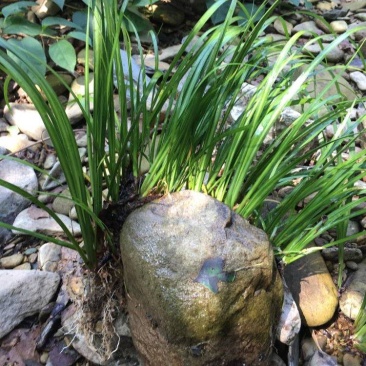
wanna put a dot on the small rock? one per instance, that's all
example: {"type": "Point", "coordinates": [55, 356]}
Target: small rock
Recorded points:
{"type": "Point", "coordinates": [290, 322]}
{"type": "Point", "coordinates": [33, 258]}
{"type": "Point", "coordinates": [309, 27]}
{"type": "Point", "coordinates": [11, 261]}
{"type": "Point", "coordinates": [352, 265]}
{"type": "Point", "coordinates": [49, 161]}
{"type": "Point", "coordinates": [27, 119]}
{"type": "Point", "coordinates": [350, 254]}
{"type": "Point", "coordinates": [14, 143]}
{"type": "Point", "coordinates": [24, 266]}
{"type": "Point", "coordinates": [48, 257]}
{"type": "Point", "coordinates": [351, 299]}
{"type": "Point", "coordinates": [353, 228]}
{"type": "Point", "coordinates": [360, 34]}
{"type": "Point", "coordinates": [359, 78]}
{"type": "Point", "coordinates": [30, 251]}
{"type": "Point", "coordinates": [57, 82]}
{"type": "Point", "coordinates": [351, 360]}
{"type": "Point", "coordinates": [308, 348]}
{"type": "Point", "coordinates": [320, 358]}
{"type": "Point", "coordinates": [73, 110]}
{"type": "Point", "coordinates": [45, 8]}
{"type": "Point", "coordinates": [35, 219]}
{"type": "Point", "coordinates": [283, 27]}
{"type": "Point", "coordinates": [23, 293]}
{"type": "Point", "coordinates": [276, 360]}
{"type": "Point", "coordinates": [339, 26]}
{"type": "Point", "coordinates": [361, 16]}
{"type": "Point", "coordinates": [55, 178]}
{"type": "Point", "coordinates": [325, 5]}
{"type": "Point", "coordinates": [73, 214]}
{"type": "Point", "coordinates": [312, 288]}
{"type": "Point", "coordinates": [12, 203]}
{"type": "Point", "coordinates": [335, 55]}
{"type": "Point", "coordinates": [43, 358]}
{"type": "Point", "coordinates": [63, 203]}
{"type": "Point", "coordinates": [81, 58]}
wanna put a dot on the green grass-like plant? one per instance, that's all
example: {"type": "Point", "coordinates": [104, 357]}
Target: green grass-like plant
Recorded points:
{"type": "Point", "coordinates": [180, 122]}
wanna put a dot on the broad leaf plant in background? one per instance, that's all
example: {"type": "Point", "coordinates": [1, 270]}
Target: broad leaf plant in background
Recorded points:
{"type": "Point", "coordinates": [195, 144]}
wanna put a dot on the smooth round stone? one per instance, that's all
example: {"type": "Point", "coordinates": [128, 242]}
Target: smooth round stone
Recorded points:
{"type": "Point", "coordinates": [283, 27]}
{"type": "Point", "coordinates": [361, 16]}
{"type": "Point", "coordinates": [11, 261]}
{"type": "Point", "coordinates": [63, 203]}
{"type": "Point", "coordinates": [310, 27]}
{"type": "Point", "coordinates": [14, 143]}
{"type": "Point", "coordinates": [359, 78]}
{"type": "Point", "coordinates": [339, 26]}
{"type": "Point", "coordinates": [73, 214]}
{"type": "Point", "coordinates": [324, 6]}
{"type": "Point", "coordinates": [81, 58]}
{"type": "Point", "coordinates": [353, 228]}
{"type": "Point", "coordinates": [23, 266]}
{"type": "Point", "coordinates": [33, 258]}
{"type": "Point", "coordinates": [335, 55]}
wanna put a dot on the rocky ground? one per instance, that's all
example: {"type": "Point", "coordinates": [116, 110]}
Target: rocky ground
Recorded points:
{"type": "Point", "coordinates": [34, 304]}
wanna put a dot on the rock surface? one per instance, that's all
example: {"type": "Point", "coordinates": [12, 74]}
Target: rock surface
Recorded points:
{"type": "Point", "coordinates": [23, 293]}
{"type": "Point", "coordinates": [180, 255]}
{"type": "Point", "coordinates": [351, 299]}
{"type": "Point", "coordinates": [12, 203]}
{"type": "Point", "coordinates": [37, 220]}
{"type": "Point", "coordinates": [312, 288]}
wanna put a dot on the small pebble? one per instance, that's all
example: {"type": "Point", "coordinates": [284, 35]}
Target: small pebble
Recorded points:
{"type": "Point", "coordinates": [352, 265]}
{"type": "Point", "coordinates": [30, 251]}
{"type": "Point", "coordinates": [23, 266]}
{"type": "Point", "coordinates": [351, 360]}
{"type": "Point", "coordinates": [339, 26]}
{"type": "Point", "coordinates": [50, 161]}
{"type": "Point", "coordinates": [33, 258]}
{"type": "Point", "coordinates": [359, 78]}
{"type": "Point", "coordinates": [11, 261]}
{"type": "Point", "coordinates": [9, 246]}
{"type": "Point", "coordinates": [44, 357]}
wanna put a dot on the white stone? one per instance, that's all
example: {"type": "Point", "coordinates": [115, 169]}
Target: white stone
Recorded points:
{"type": "Point", "coordinates": [37, 220]}
{"type": "Point", "coordinates": [339, 26]}
{"type": "Point", "coordinates": [48, 256]}
{"type": "Point", "coordinates": [334, 55]}
{"type": "Point", "coordinates": [23, 293]}
{"type": "Point", "coordinates": [359, 78]}
{"type": "Point", "coordinates": [27, 119]}
{"type": "Point", "coordinates": [14, 143]}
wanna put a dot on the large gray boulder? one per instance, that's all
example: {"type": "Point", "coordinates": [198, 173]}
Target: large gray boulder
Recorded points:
{"type": "Point", "coordinates": [201, 283]}
{"type": "Point", "coordinates": [24, 293]}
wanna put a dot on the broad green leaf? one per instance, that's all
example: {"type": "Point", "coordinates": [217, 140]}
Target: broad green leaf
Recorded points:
{"type": "Point", "coordinates": [81, 36]}
{"type": "Point", "coordinates": [29, 48]}
{"type": "Point", "coordinates": [20, 25]}
{"type": "Point", "coordinates": [17, 7]}
{"type": "Point", "coordinates": [220, 14]}
{"type": "Point", "coordinates": [81, 19]}
{"type": "Point", "coordinates": [250, 10]}
{"type": "Point", "coordinates": [59, 3]}
{"type": "Point", "coordinates": [50, 21]}
{"type": "Point", "coordinates": [63, 54]}
{"type": "Point", "coordinates": [137, 19]}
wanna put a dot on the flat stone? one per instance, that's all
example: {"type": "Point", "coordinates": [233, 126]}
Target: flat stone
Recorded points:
{"type": "Point", "coordinates": [11, 261]}
{"type": "Point", "coordinates": [335, 55]}
{"type": "Point", "coordinates": [27, 119]}
{"type": "Point", "coordinates": [283, 27]}
{"type": "Point", "coordinates": [351, 299]}
{"type": "Point", "coordinates": [312, 288]}
{"type": "Point", "coordinates": [24, 266]}
{"type": "Point", "coordinates": [22, 294]}
{"type": "Point", "coordinates": [359, 78]}
{"type": "Point", "coordinates": [309, 27]}
{"type": "Point", "coordinates": [45, 8]}
{"type": "Point", "coordinates": [37, 220]}
{"type": "Point", "coordinates": [167, 247]}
